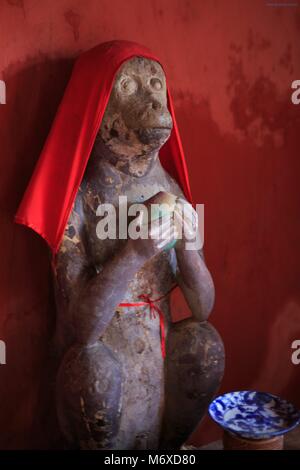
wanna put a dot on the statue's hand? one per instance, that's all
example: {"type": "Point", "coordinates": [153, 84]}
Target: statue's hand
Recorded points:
{"type": "Point", "coordinates": [186, 221]}
{"type": "Point", "coordinates": [157, 235]}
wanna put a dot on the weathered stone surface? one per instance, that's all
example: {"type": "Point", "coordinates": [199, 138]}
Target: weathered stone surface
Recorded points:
{"type": "Point", "coordinates": [114, 390]}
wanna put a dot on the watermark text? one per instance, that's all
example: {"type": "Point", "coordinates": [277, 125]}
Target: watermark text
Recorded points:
{"type": "Point", "coordinates": [2, 92]}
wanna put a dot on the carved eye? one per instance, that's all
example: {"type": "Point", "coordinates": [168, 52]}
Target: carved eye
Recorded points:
{"type": "Point", "coordinates": [128, 85]}
{"type": "Point", "coordinates": [156, 84]}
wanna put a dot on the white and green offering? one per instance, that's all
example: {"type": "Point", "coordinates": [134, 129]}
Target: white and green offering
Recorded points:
{"type": "Point", "coordinates": [180, 216]}
{"type": "Point", "coordinates": [165, 205]}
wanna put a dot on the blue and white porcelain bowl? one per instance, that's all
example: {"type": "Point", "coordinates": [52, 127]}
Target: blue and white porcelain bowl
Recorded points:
{"type": "Point", "coordinates": [254, 415]}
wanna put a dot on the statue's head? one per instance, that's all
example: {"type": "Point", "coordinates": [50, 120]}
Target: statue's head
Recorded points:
{"type": "Point", "coordinates": [137, 121]}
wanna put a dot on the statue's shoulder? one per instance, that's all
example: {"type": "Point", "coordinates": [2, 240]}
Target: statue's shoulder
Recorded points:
{"type": "Point", "coordinates": [73, 235]}
{"type": "Point", "coordinates": [172, 185]}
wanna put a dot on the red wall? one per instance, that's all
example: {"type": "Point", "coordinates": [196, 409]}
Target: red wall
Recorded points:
{"type": "Point", "coordinates": [230, 66]}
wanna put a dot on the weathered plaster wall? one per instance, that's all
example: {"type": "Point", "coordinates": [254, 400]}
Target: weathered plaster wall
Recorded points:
{"type": "Point", "coordinates": [230, 66]}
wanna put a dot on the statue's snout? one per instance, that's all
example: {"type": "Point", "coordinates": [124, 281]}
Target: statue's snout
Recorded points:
{"type": "Point", "coordinates": [154, 115]}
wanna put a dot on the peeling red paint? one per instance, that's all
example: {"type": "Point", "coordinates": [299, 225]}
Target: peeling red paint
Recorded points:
{"type": "Point", "coordinates": [73, 19]}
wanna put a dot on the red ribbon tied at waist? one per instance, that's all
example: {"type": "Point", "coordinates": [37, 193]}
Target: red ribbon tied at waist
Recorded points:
{"type": "Point", "coordinates": [153, 310]}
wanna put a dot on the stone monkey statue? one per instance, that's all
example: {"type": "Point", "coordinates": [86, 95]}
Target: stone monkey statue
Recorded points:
{"type": "Point", "coordinates": [114, 389]}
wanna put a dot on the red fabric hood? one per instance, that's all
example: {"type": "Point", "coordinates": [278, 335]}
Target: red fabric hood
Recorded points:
{"type": "Point", "coordinates": [50, 195]}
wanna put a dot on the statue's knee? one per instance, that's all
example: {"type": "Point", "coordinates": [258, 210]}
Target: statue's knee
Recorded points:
{"type": "Point", "coordinates": [211, 354]}
{"type": "Point", "coordinates": [198, 351]}
{"type": "Point", "coordinates": [92, 370]}
{"type": "Point", "coordinates": [89, 385]}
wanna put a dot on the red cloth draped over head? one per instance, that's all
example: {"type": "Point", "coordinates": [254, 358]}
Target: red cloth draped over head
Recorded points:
{"type": "Point", "coordinates": [50, 195]}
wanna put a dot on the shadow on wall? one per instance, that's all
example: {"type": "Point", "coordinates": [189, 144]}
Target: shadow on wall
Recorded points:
{"type": "Point", "coordinates": [34, 90]}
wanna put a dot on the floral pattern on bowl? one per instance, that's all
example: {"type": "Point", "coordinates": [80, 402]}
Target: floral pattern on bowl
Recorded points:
{"type": "Point", "coordinates": [254, 415]}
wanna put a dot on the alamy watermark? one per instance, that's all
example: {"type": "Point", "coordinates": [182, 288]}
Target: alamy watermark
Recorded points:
{"type": "Point", "coordinates": [156, 221]}
{"type": "Point", "coordinates": [2, 352]}
{"type": "Point", "coordinates": [295, 97]}
{"type": "Point", "coordinates": [295, 357]}
{"type": "Point", "coordinates": [2, 92]}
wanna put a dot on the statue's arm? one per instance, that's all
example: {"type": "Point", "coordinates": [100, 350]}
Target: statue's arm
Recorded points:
{"type": "Point", "coordinates": [195, 281]}
{"type": "Point", "coordinates": [88, 296]}
{"type": "Point", "coordinates": [192, 275]}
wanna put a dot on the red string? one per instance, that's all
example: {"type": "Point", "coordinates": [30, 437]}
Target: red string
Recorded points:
{"type": "Point", "coordinates": [153, 310]}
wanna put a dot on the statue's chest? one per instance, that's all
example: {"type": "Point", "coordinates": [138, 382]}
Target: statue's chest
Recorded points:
{"type": "Point", "coordinates": [107, 217]}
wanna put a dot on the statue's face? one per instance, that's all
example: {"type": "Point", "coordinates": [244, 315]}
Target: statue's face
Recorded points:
{"type": "Point", "coordinates": [137, 120]}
